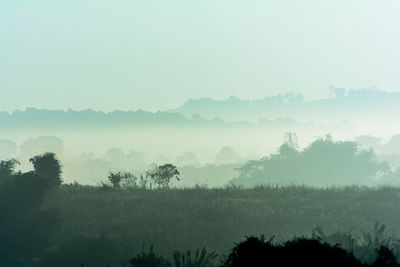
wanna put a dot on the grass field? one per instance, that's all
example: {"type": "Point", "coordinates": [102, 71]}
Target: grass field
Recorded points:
{"type": "Point", "coordinates": [217, 218]}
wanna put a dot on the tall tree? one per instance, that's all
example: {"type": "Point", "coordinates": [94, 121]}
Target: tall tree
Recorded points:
{"type": "Point", "coordinates": [47, 166]}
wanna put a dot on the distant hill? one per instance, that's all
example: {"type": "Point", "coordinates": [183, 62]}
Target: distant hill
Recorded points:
{"type": "Point", "coordinates": [363, 109]}
{"type": "Point", "coordinates": [343, 105]}
{"type": "Point", "coordinates": [33, 118]}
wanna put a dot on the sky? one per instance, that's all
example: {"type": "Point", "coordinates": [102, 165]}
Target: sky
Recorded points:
{"type": "Point", "coordinates": [153, 55]}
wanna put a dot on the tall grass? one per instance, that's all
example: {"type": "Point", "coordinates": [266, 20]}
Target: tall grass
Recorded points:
{"type": "Point", "coordinates": [217, 218]}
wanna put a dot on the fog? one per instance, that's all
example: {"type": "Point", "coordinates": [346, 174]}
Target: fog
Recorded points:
{"type": "Point", "coordinates": [91, 144]}
{"type": "Point", "coordinates": [199, 133]}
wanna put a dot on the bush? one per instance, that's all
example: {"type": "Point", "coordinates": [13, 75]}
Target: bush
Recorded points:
{"type": "Point", "coordinates": [299, 252]}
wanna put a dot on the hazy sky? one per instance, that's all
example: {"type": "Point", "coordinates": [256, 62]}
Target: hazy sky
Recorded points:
{"type": "Point", "coordinates": [156, 54]}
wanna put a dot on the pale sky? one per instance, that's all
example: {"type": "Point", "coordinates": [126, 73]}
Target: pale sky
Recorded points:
{"type": "Point", "coordinates": [152, 55]}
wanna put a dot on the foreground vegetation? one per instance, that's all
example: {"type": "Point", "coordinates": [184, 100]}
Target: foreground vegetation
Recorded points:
{"type": "Point", "coordinates": [46, 221]}
{"type": "Point", "coordinates": [217, 218]}
{"type": "Point", "coordinates": [260, 252]}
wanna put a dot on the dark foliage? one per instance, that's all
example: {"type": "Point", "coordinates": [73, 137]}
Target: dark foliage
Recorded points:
{"type": "Point", "coordinates": [182, 219]}
{"type": "Point", "coordinates": [299, 252]}
{"type": "Point", "coordinates": [7, 169]}
{"type": "Point", "coordinates": [201, 258]}
{"type": "Point", "coordinates": [25, 228]}
{"type": "Point", "coordinates": [363, 247]}
{"type": "Point", "coordinates": [256, 252]}
{"type": "Point", "coordinates": [48, 167]}
{"type": "Point", "coordinates": [385, 258]}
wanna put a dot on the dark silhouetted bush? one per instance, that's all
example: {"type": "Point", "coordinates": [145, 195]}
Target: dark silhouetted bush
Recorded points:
{"type": "Point", "coordinates": [25, 228]}
{"type": "Point", "coordinates": [48, 167]}
{"type": "Point", "coordinates": [300, 252]}
{"type": "Point", "coordinates": [385, 258]}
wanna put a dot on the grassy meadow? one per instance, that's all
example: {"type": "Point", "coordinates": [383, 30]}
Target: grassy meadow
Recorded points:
{"type": "Point", "coordinates": [216, 218]}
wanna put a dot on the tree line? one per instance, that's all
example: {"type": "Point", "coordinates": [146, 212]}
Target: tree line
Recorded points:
{"type": "Point", "coordinates": [160, 175]}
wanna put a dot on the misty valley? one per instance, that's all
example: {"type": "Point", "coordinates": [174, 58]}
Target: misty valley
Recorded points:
{"type": "Point", "coordinates": [199, 133]}
{"type": "Point", "coordinates": [190, 191]}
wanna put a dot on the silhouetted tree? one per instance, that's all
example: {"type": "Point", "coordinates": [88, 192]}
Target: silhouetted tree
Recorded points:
{"type": "Point", "coordinates": [7, 168]}
{"type": "Point", "coordinates": [25, 228]}
{"type": "Point", "coordinates": [48, 167]}
{"type": "Point", "coordinates": [126, 179]}
{"type": "Point", "coordinates": [323, 162]}
{"type": "Point", "coordinates": [115, 178]}
{"type": "Point", "coordinates": [162, 175]}
{"type": "Point", "coordinates": [129, 180]}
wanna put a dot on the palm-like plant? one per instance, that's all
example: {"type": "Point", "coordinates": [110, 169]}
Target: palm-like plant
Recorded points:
{"type": "Point", "coordinates": [148, 259]}
{"type": "Point", "coordinates": [201, 258]}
